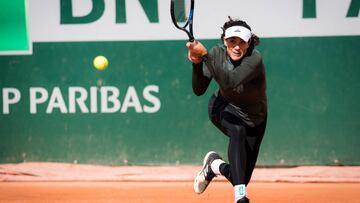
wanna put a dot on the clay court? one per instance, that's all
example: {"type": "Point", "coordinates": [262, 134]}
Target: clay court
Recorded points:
{"type": "Point", "coordinates": [99, 102]}
{"type": "Point", "coordinates": [74, 183]}
{"type": "Point", "coordinates": [173, 192]}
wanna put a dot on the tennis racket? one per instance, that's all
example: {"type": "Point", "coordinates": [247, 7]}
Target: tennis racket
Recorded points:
{"type": "Point", "coordinates": [182, 13]}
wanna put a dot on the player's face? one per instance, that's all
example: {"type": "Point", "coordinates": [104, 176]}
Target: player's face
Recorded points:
{"type": "Point", "coordinates": [236, 47]}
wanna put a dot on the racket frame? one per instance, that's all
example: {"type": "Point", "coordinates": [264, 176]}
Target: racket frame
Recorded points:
{"type": "Point", "coordinates": [189, 22]}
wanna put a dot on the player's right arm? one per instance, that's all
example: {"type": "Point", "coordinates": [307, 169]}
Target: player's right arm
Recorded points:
{"type": "Point", "coordinates": [200, 82]}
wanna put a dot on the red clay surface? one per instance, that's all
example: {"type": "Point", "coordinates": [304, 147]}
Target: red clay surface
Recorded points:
{"type": "Point", "coordinates": [40, 171]}
{"type": "Point", "coordinates": [75, 183]}
{"type": "Point", "coordinates": [173, 192]}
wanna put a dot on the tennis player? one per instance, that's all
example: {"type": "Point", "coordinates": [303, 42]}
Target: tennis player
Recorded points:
{"type": "Point", "coordinates": [238, 108]}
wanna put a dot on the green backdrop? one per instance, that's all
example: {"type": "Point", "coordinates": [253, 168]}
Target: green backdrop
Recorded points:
{"type": "Point", "coordinates": [312, 85]}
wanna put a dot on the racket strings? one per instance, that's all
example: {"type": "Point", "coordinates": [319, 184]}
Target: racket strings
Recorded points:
{"type": "Point", "coordinates": [182, 16]}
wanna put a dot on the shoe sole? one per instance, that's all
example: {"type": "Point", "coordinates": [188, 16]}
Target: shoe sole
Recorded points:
{"type": "Point", "coordinates": [203, 167]}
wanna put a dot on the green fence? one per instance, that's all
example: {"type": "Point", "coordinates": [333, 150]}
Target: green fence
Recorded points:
{"type": "Point", "coordinates": [312, 85]}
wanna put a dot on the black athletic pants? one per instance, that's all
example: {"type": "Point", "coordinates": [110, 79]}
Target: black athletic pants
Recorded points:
{"type": "Point", "coordinates": [244, 141]}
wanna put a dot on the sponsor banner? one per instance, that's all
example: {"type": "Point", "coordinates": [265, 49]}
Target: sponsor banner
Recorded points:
{"type": "Point", "coordinates": [112, 20]}
{"type": "Point", "coordinates": [83, 100]}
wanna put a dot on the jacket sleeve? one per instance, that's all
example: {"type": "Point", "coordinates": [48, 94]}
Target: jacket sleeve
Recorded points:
{"type": "Point", "coordinates": [232, 77]}
{"type": "Point", "coordinates": [200, 82]}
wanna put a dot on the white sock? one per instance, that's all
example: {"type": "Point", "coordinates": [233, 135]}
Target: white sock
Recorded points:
{"type": "Point", "coordinates": [215, 166]}
{"type": "Point", "coordinates": [240, 191]}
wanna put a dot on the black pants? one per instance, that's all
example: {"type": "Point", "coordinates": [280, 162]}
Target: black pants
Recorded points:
{"type": "Point", "coordinates": [244, 141]}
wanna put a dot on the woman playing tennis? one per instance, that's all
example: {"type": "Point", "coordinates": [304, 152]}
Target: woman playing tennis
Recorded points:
{"type": "Point", "coordinates": [238, 108]}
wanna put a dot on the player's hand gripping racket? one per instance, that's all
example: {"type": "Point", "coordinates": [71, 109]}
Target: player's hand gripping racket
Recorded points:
{"type": "Point", "coordinates": [182, 16]}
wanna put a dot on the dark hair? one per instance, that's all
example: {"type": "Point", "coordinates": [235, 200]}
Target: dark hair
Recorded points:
{"type": "Point", "coordinates": [254, 40]}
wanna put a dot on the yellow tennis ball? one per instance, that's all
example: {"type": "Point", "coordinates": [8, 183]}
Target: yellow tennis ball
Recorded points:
{"type": "Point", "coordinates": [100, 62]}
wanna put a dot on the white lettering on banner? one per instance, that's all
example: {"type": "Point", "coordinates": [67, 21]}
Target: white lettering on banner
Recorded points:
{"type": "Point", "coordinates": [109, 94]}
{"type": "Point", "coordinates": [275, 18]}
{"type": "Point", "coordinates": [131, 100]}
{"type": "Point", "coordinates": [93, 99]}
{"type": "Point", "coordinates": [80, 101]}
{"type": "Point", "coordinates": [78, 98]}
{"type": "Point", "coordinates": [34, 100]}
{"type": "Point", "coordinates": [149, 97]}
{"type": "Point", "coordinates": [8, 100]}
{"type": "Point", "coordinates": [56, 101]}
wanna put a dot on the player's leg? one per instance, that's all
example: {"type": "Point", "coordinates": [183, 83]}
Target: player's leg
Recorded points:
{"type": "Point", "coordinates": [244, 145]}
{"type": "Point", "coordinates": [238, 152]}
{"type": "Point", "coordinates": [237, 155]}
{"type": "Point", "coordinates": [226, 122]}
{"type": "Point", "coordinates": [255, 136]}
{"type": "Point", "coordinates": [233, 127]}
{"type": "Point", "coordinates": [212, 161]}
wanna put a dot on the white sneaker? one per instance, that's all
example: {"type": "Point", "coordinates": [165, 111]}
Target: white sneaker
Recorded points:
{"type": "Point", "coordinates": [205, 175]}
